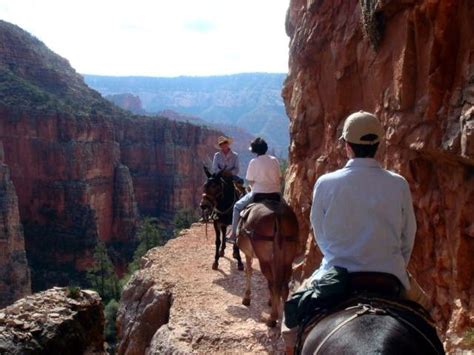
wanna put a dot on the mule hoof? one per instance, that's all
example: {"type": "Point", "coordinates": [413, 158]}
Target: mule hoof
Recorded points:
{"type": "Point", "coordinates": [246, 302]}
{"type": "Point", "coordinates": [221, 253]}
{"type": "Point", "coordinates": [271, 323]}
{"type": "Point", "coordinates": [214, 266]}
{"type": "Point", "coordinates": [240, 267]}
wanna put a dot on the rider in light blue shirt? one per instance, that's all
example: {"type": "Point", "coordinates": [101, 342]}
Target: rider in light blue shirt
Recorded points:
{"type": "Point", "coordinates": [225, 159]}
{"type": "Point", "coordinates": [362, 215]}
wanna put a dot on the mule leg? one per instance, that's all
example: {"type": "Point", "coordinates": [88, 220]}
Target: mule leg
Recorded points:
{"type": "Point", "coordinates": [223, 233]}
{"type": "Point", "coordinates": [248, 280]}
{"type": "Point", "coordinates": [218, 244]}
{"type": "Point", "coordinates": [236, 255]}
{"type": "Point", "coordinates": [274, 295]}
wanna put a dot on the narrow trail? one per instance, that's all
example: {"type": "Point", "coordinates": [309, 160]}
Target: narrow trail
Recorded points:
{"type": "Point", "coordinates": [207, 315]}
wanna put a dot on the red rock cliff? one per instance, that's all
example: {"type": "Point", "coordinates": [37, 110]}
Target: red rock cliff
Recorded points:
{"type": "Point", "coordinates": [412, 63]}
{"type": "Point", "coordinates": [14, 272]}
{"type": "Point", "coordinates": [83, 169]}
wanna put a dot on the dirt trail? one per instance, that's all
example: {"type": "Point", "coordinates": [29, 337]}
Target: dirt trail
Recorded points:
{"type": "Point", "coordinates": [207, 315]}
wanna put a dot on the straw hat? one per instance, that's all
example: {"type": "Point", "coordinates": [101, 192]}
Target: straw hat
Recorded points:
{"type": "Point", "coordinates": [362, 128]}
{"type": "Point", "coordinates": [222, 140]}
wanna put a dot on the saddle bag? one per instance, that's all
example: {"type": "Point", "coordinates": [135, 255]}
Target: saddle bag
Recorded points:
{"type": "Point", "coordinates": [322, 293]}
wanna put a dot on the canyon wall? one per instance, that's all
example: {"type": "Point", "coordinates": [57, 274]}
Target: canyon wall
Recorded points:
{"type": "Point", "coordinates": [83, 169]}
{"type": "Point", "coordinates": [412, 63]}
{"type": "Point", "coordinates": [14, 271]}
{"type": "Point", "coordinates": [84, 179]}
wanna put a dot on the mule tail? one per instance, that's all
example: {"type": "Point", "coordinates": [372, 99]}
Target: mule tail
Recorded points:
{"type": "Point", "coordinates": [278, 257]}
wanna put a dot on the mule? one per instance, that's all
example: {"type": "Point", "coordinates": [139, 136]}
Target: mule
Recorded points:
{"type": "Point", "coordinates": [218, 199]}
{"type": "Point", "coordinates": [268, 231]}
{"type": "Point", "coordinates": [371, 328]}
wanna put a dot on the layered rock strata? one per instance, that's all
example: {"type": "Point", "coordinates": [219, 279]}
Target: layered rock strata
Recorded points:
{"type": "Point", "coordinates": [56, 321]}
{"type": "Point", "coordinates": [412, 63]}
{"type": "Point", "coordinates": [14, 271]}
{"type": "Point", "coordinates": [84, 169]}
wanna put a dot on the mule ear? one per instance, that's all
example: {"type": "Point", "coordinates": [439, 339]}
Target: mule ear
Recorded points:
{"type": "Point", "coordinates": [206, 171]}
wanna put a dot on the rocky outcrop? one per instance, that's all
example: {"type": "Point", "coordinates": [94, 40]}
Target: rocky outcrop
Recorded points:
{"type": "Point", "coordinates": [412, 63]}
{"type": "Point", "coordinates": [145, 307]}
{"type": "Point", "coordinates": [56, 321]}
{"type": "Point", "coordinates": [128, 102]}
{"type": "Point", "coordinates": [14, 271]}
{"type": "Point", "coordinates": [84, 169]}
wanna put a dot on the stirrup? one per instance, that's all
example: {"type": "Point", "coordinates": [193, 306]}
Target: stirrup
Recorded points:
{"type": "Point", "coordinates": [231, 238]}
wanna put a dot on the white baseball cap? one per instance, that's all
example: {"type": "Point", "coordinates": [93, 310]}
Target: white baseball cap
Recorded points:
{"type": "Point", "coordinates": [362, 128]}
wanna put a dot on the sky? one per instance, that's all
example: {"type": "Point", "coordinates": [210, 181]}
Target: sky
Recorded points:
{"type": "Point", "coordinates": [159, 37]}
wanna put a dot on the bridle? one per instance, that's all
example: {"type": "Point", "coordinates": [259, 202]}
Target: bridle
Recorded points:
{"type": "Point", "coordinates": [213, 198]}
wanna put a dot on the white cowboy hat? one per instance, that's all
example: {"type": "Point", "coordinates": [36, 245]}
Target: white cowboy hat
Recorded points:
{"type": "Point", "coordinates": [222, 140]}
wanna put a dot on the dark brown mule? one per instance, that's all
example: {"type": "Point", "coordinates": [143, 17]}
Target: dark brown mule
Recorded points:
{"type": "Point", "coordinates": [269, 231]}
{"type": "Point", "coordinates": [218, 199]}
{"type": "Point", "coordinates": [372, 326]}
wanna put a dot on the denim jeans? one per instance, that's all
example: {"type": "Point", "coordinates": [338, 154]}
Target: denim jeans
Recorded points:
{"type": "Point", "coordinates": [238, 207]}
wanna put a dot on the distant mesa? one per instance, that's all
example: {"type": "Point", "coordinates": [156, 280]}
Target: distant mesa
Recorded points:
{"type": "Point", "coordinates": [251, 101]}
{"type": "Point", "coordinates": [128, 102]}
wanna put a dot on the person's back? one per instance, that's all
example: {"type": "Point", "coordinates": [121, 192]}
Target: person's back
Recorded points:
{"type": "Point", "coordinates": [264, 172]}
{"type": "Point", "coordinates": [363, 219]}
{"type": "Point", "coordinates": [363, 222]}
{"type": "Point", "coordinates": [263, 176]}
{"type": "Point", "coordinates": [362, 214]}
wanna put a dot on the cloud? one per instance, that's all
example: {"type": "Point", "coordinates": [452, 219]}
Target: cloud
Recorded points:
{"type": "Point", "coordinates": [157, 37]}
{"type": "Point", "coordinates": [200, 25]}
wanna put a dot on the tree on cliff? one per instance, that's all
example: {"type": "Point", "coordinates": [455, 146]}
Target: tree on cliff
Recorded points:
{"type": "Point", "coordinates": [149, 235]}
{"type": "Point", "coordinates": [101, 276]}
{"type": "Point", "coordinates": [183, 219]}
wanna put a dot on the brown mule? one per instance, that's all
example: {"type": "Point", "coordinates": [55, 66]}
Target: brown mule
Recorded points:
{"type": "Point", "coordinates": [269, 232]}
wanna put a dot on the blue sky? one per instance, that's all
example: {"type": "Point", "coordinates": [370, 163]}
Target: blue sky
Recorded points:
{"type": "Point", "coordinates": [159, 37]}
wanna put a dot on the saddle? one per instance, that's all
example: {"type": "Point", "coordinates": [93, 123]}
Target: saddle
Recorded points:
{"type": "Point", "coordinates": [262, 197]}
{"type": "Point", "coordinates": [263, 204]}
{"type": "Point", "coordinates": [263, 207]}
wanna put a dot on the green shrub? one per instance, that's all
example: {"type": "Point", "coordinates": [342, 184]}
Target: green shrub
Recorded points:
{"type": "Point", "coordinates": [73, 292]}
{"type": "Point", "coordinates": [110, 312]}
{"type": "Point", "coordinates": [468, 339]}
{"type": "Point", "coordinates": [183, 219]}
{"type": "Point", "coordinates": [149, 235]}
{"type": "Point", "coordinates": [101, 276]}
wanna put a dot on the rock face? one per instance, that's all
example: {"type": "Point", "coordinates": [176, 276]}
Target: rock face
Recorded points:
{"type": "Point", "coordinates": [412, 63]}
{"type": "Point", "coordinates": [56, 321]}
{"type": "Point", "coordinates": [165, 161]}
{"type": "Point", "coordinates": [84, 169]}
{"type": "Point", "coordinates": [14, 271]}
{"type": "Point", "coordinates": [240, 137]}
